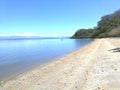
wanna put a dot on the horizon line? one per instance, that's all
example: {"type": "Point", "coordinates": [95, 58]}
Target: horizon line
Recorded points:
{"type": "Point", "coordinates": [32, 34]}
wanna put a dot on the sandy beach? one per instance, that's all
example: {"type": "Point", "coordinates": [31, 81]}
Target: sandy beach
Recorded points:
{"type": "Point", "coordinates": [94, 67]}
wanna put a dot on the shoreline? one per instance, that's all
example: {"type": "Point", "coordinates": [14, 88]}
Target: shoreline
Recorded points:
{"type": "Point", "coordinates": [17, 73]}
{"type": "Point", "coordinates": [16, 63]}
{"type": "Point", "coordinates": [85, 69]}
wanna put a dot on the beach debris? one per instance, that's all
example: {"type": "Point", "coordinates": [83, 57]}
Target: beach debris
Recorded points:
{"type": "Point", "coordinates": [115, 50]}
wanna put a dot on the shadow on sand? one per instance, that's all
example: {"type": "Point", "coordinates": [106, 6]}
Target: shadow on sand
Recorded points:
{"type": "Point", "coordinates": [115, 50]}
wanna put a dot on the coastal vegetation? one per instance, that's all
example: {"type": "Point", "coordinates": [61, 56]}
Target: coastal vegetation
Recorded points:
{"type": "Point", "coordinates": [108, 26]}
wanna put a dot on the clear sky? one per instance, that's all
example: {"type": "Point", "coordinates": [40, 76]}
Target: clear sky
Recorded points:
{"type": "Point", "coordinates": [52, 17]}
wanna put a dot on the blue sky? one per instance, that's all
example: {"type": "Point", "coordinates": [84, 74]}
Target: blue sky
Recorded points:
{"type": "Point", "coordinates": [52, 17]}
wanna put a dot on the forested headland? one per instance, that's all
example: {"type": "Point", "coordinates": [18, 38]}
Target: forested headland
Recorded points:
{"type": "Point", "coordinates": [108, 26]}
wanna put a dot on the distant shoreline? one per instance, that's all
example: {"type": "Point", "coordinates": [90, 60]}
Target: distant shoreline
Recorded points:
{"type": "Point", "coordinates": [29, 37]}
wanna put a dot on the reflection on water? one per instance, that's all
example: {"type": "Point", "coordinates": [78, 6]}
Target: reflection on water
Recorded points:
{"type": "Point", "coordinates": [82, 42]}
{"type": "Point", "coordinates": [19, 55]}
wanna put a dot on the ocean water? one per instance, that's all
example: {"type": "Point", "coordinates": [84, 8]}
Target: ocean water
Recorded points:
{"type": "Point", "coordinates": [19, 55]}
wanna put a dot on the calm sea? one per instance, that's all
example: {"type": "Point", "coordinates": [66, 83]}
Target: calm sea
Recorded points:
{"type": "Point", "coordinates": [19, 55]}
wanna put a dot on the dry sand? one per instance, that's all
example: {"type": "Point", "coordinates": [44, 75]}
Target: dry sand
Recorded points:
{"type": "Point", "coordinates": [94, 67]}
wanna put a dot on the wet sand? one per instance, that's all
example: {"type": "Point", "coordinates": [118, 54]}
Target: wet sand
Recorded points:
{"type": "Point", "coordinates": [94, 67]}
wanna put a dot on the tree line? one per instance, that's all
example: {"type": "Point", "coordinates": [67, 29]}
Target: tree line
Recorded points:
{"type": "Point", "coordinates": [108, 26]}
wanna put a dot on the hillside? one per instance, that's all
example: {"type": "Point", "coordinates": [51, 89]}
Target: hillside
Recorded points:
{"type": "Point", "coordinates": [115, 32]}
{"type": "Point", "coordinates": [108, 26]}
{"type": "Point", "coordinates": [83, 33]}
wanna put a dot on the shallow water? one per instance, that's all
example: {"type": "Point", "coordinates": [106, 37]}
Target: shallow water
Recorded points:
{"type": "Point", "coordinates": [19, 55]}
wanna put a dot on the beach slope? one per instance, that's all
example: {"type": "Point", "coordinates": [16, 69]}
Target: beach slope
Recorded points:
{"type": "Point", "coordinates": [94, 67]}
